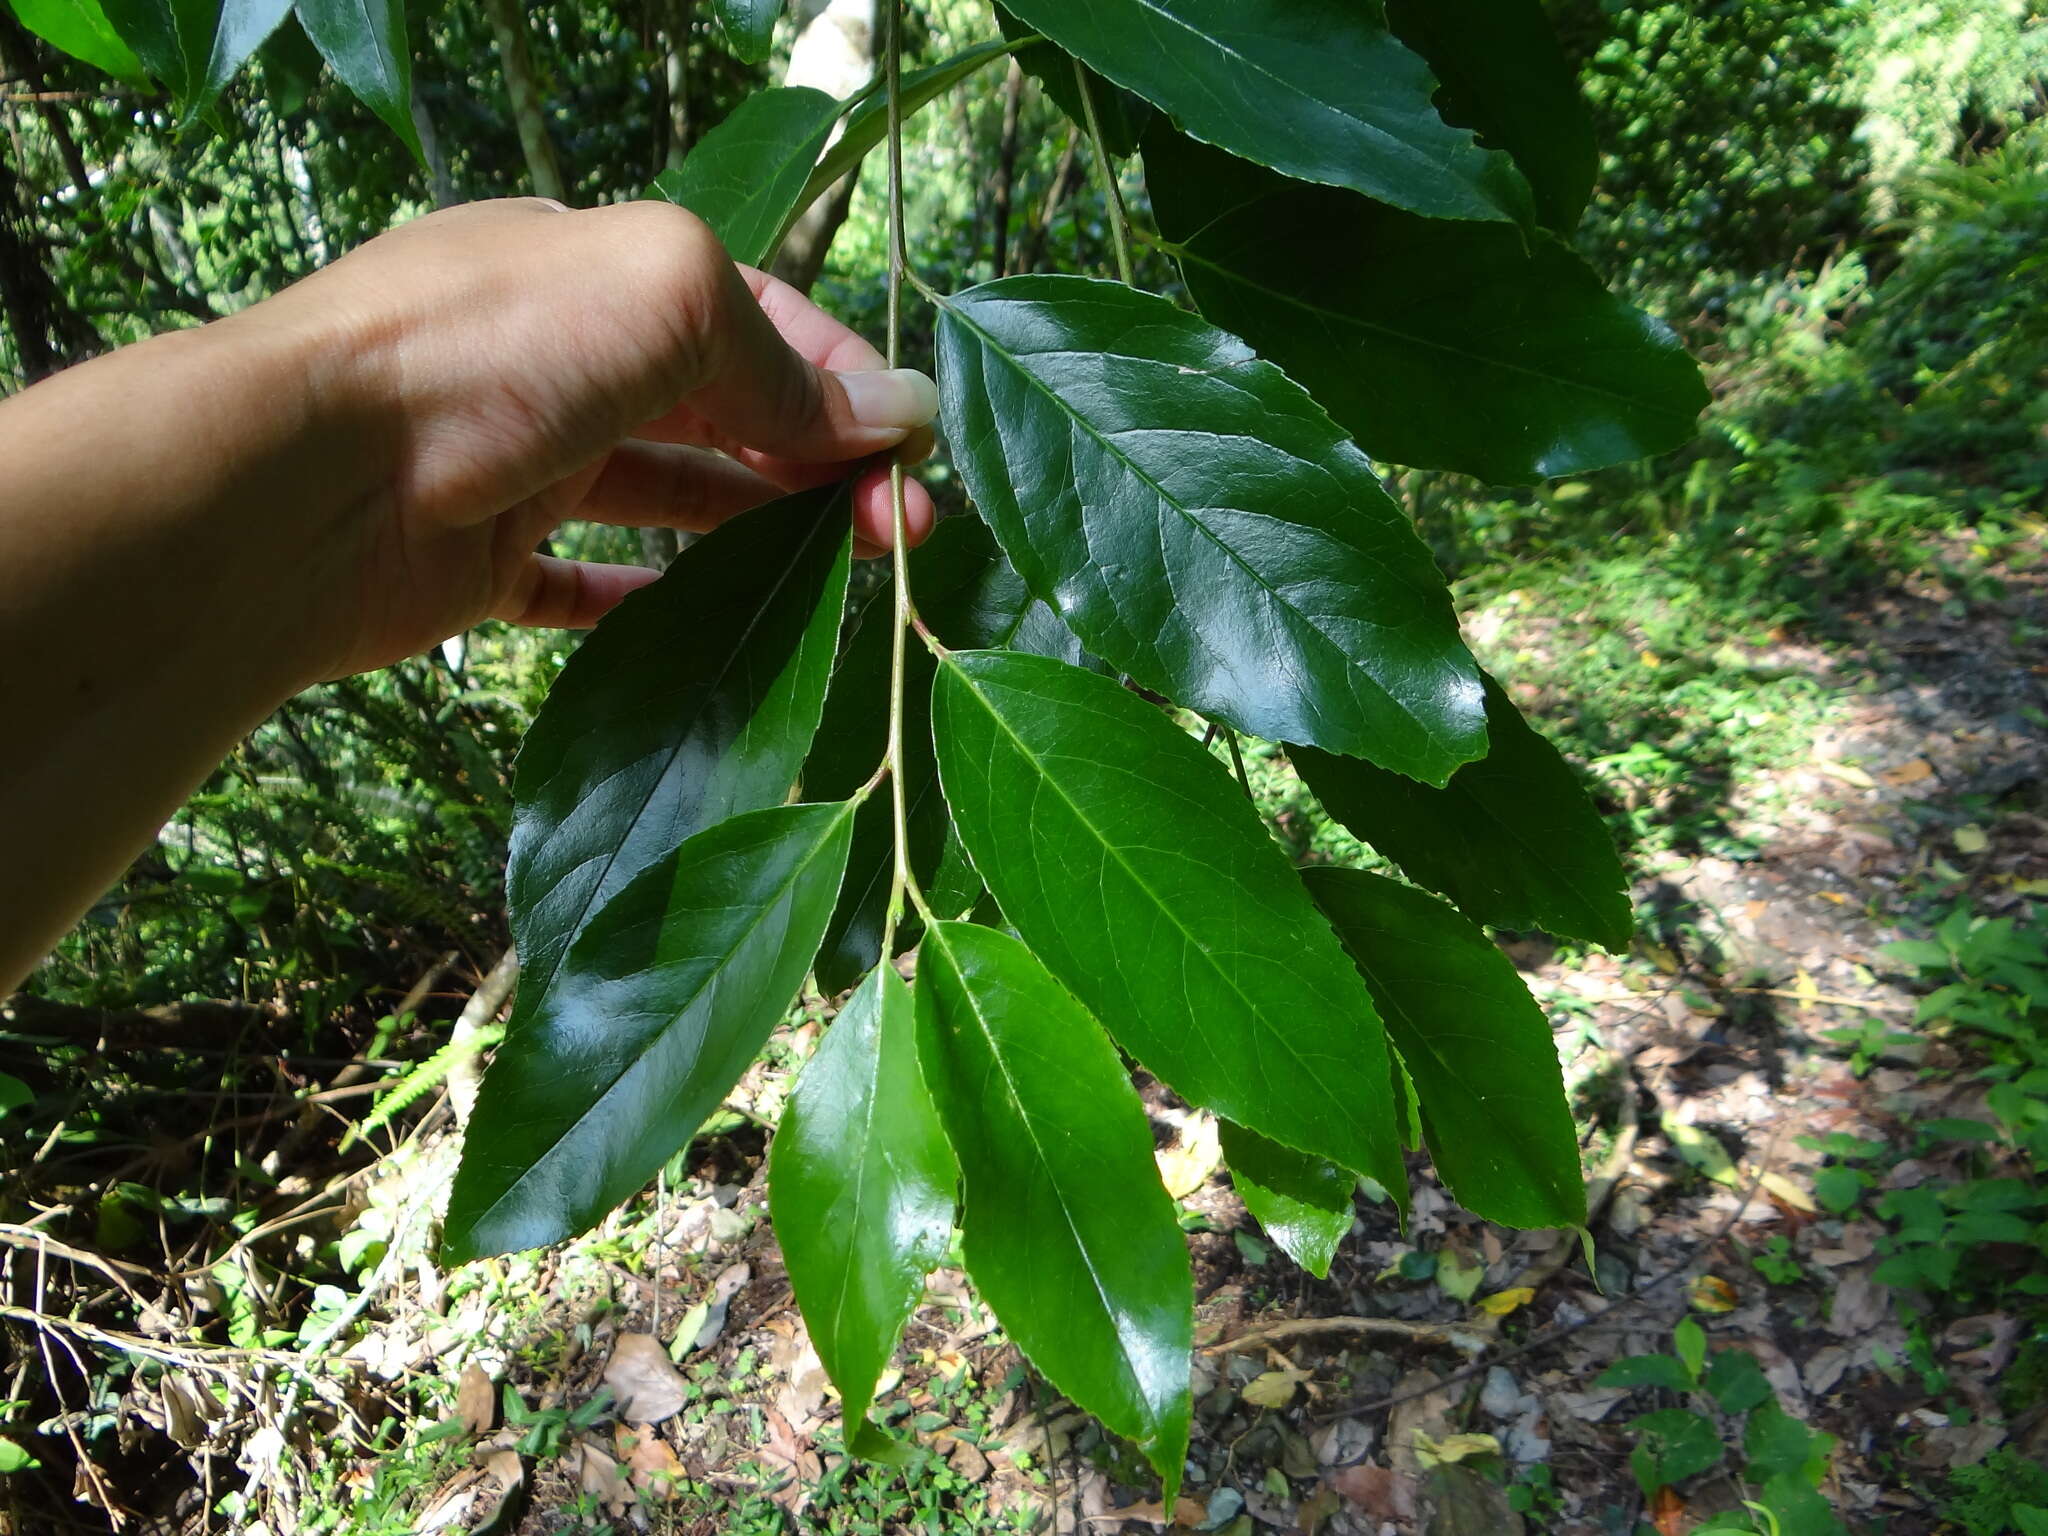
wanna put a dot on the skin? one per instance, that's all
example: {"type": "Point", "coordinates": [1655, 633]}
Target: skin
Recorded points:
{"type": "Point", "coordinates": [195, 528]}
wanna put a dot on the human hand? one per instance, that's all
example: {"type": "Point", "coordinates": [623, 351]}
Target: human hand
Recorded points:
{"type": "Point", "coordinates": [493, 370]}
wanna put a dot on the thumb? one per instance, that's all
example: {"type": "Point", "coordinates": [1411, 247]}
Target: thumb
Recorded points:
{"type": "Point", "coordinates": [763, 393]}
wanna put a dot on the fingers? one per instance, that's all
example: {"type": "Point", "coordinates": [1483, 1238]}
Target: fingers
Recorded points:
{"type": "Point", "coordinates": [874, 531]}
{"type": "Point", "coordinates": [793, 384]}
{"type": "Point", "coordinates": [568, 594]}
{"type": "Point", "coordinates": [653, 485]}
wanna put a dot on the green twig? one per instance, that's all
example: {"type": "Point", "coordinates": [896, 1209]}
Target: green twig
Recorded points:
{"type": "Point", "coordinates": [1119, 223]}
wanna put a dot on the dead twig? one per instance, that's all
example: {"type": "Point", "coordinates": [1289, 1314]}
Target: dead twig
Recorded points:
{"type": "Point", "coordinates": [1310, 1327]}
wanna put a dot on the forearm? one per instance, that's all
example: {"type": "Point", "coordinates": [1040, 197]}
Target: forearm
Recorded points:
{"type": "Point", "coordinates": [177, 523]}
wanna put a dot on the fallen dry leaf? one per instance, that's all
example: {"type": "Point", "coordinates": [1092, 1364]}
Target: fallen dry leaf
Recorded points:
{"type": "Point", "coordinates": [1315, 1509]}
{"type": "Point", "coordinates": [1453, 1448]}
{"type": "Point", "coordinates": [600, 1477]}
{"type": "Point", "coordinates": [1380, 1491]}
{"type": "Point", "coordinates": [1712, 1294]}
{"type": "Point", "coordinates": [1667, 1512]}
{"type": "Point", "coordinates": [646, 1384]}
{"type": "Point", "coordinates": [1912, 771]}
{"type": "Point", "coordinates": [650, 1464]}
{"type": "Point", "coordinates": [1501, 1303]}
{"type": "Point", "coordinates": [1185, 1166]}
{"type": "Point", "coordinates": [1272, 1389]}
{"type": "Point", "coordinates": [476, 1400]}
{"type": "Point", "coordinates": [1462, 1502]}
{"type": "Point", "coordinates": [1859, 1303]}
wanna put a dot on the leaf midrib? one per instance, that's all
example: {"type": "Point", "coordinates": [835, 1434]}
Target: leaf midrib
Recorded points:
{"type": "Point", "coordinates": [798, 870]}
{"type": "Point", "coordinates": [1171, 915]}
{"type": "Point", "coordinates": [1038, 1151]}
{"type": "Point", "coordinates": [1350, 666]}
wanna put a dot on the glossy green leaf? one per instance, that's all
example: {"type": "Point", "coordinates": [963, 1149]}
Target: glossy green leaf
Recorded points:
{"type": "Point", "coordinates": [1318, 89]}
{"type": "Point", "coordinates": [1303, 1202]}
{"type": "Point", "coordinates": [695, 699]}
{"type": "Point", "coordinates": [1436, 344]}
{"type": "Point", "coordinates": [745, 175]}
{"type": "Point", "coordinates": [1477, 1048]}
{"type": "Point", "coordinates": [656, 1011]}
{"type": "Point", "coordinates": [1121, 114]}
{"type": "Point", "coordinates": [1068, 1234]}
{"type": "Point", "coordinates": [363, 42]}
{"type": "Point", "coordinates": [970, 597]}
{"type": "Point", "coordinates": [1135, 868]}
{"type": "Point", "coordinates": [1504, 75]}
{"type": "Point", "coordinates": [1512, 839]}
{"type": "Point", "coordinates": [194, 46]}
{"type": "Point", "coordinates": [1201, 524]}
{"type": "Point", "coordinates": [81, 29]}
{"type": "Point", "coordinates": [749, 26]}
{"type": "Point", "coordinates": [14, 1093]}
{"type": "Point", "coordinates": [860, 1183]}
{"type": "Point", "coordinates": [867, 119]}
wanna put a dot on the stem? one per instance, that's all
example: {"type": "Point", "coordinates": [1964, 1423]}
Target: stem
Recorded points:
{"type": "Point", "coordinates": [1119, 224]}
{"type": "Point", "coordinates": [900, 878]}
{"type": "Point", "coordinates": [1237, 761]}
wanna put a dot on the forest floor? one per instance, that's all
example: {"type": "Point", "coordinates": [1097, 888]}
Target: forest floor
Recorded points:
{"type": "Point", "coordinates": [1759, 1109]}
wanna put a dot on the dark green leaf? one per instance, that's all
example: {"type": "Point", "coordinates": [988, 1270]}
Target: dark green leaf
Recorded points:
{"type": "Point", "coordinates": [1121, 114]}
{"type": "Point", "coordinates": [1512, 839]}
{"type": "Point", "coordinates": [195, 46]}
{"type": "Point", "coordinates": [1671, 1445]}
{"type": "Point", "coordinates": [14, 1093]}
{"type": "Point", "coordinates": [363, 42]}
{"type": "Point", "coordinates": [291, 68]}
{"type": "Point", "coordinates": [653, 1015]}
{"type": "Point", "coordinates": [860, 1182]}
{"type": "Point", "coordinates": [1801, 1510]}
{"type": "Point", "coordinates": [1436, 344]}
{"type": "Point", "coordinates": [968, 595]}
{"type": "Point", "coordinates": [1200, 523]}
{"type": "Point", "coordinates": [1505, 76]}
{"type": "Point", "coordinates": [81, 29]}
{"type": "Point", "coordinates": [1646, 1371]}
{"type": "Point", "coordinates": [1475, 1044]}
{"type": "Point", "coordinates": [745, 176]}
{"type": "Point", "coordinates": [1317, 89]}
{"type": "Point", "coordinates": [1778, 1445]}
{"type": "Point", "coordinates": [1069, 1236]}
{"type": "Point", "coordinates": [867, 121]}
{"type": "Point", "coordinates": [749, 26]}
{"type": "Point", "coordinates": [1303, 1202]}
{"type": "Point", "coordinates": [1735, 1381]}
{"type": "Point", "coordinates": [1133, 865]}
{"type": "Point", "coordinates": [695, 699]}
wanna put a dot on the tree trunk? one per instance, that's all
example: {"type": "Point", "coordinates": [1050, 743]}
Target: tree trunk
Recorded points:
{"type": "Point", "coordinates": [1006, 164]}
{"type": "Point", "coordinates": [834, 53]}
{"type": "Point", "coordinates": [48, 333]}
{"type": "Point", "coordinates": [430, 146]}
{"type": "Point", "coordinates": [1065, 178]}
{"type": "Point", "coordinates": [508, 26]}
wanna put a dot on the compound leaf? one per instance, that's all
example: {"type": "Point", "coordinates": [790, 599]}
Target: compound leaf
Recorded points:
{"type": "Point", "coordinates": [657, 1009]}
{"type": "Point", "coordinates": [749, 26]}
{"type": "Point", "coordinates": [363, 42]}
{"type": "Point", "coordinates": [1318, 89]}
{"type": "Point", "coordinates": [695, 699]}
{"type": "Point", "coordinates": [1134, 867]}
{"type": "Point", "coordinates": [1512, 839]}
{"type": "Point", "coordinates": [1303, 1202]}
{"type": "Point", "coordinates": [1068, 1234]}
{"type": "Point", "coordinates": [1440, 345]}
{"type": "Point", "coordinates": [968, 595]}
{"type": "Point", "coordinates": [860, 1183]}
{"type": "Point", "coordinates": [745, 176]}
{"type": "Point", "coordinates": [1476, 1046]}
{"type": "Point", "coordinates": [1201, 524]}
